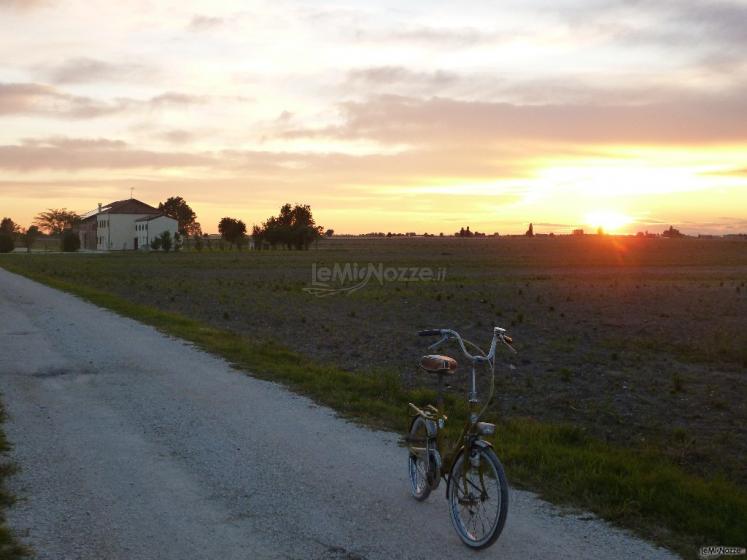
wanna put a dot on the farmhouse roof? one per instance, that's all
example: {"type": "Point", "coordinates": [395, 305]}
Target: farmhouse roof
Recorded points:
{"type": "Point", "coordinates": [129, 206]}
{"type": "Point", "coordinates": [153, 217]}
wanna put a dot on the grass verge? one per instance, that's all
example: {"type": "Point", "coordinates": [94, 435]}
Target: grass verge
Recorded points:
{"type": "Point", "coordinates": [635, 488]}
{"type": "Point", "coordinates": [10, 548]}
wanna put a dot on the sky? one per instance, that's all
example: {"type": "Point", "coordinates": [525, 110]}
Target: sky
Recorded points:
{"type": "Point", "coordinates": [383, 116]}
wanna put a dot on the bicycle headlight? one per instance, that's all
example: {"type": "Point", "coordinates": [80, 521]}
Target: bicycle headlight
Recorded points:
{"type": "Point", "coordinates": [486, 428]}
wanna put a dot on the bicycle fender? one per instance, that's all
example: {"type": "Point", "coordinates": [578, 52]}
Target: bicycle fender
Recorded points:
{"type": "Point", "coordinates": [481, 443]}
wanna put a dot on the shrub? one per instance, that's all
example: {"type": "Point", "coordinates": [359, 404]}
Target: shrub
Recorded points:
{"type": "Point", "coordinates": [155, 244]}
{"type": "Point", "coordinates": [29, 237]}
{"type": "Point", "coordinates": [166, 241]}
{"type": "Point", "coordinates": [70, 242]}
{"type": "Point", "coordinates": [6, 243]}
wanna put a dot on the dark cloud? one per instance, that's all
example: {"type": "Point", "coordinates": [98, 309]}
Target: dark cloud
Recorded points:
{"type": "Point", "coordinates": [205, 23]}
{"type": "Point", "coordinates": [623, 89]}
{"type": "Point", "coordinates": [464, 36]}
{"type": "Point", "coordinates": [434, 121]}
{"type": "Point", "coordinates": [71, 154]}
{"type": "Point", "coordinates": [40, 99]}
{"type": "Point", "coordinates": [176, 98]}
{"type": "Point", "coordinates": [426, 36]}
{"type": "Point", "coordinates": [699, 25]}
{"type": "Point", "coordinates": [724, 22]}
{"type": "Point", "coordinates": [176, 136]}
{"type": "Point", "coordinates": [23, 4]}
{"type": "Point", "coordinates": [84, 70]}
{"type": "Point", "coordinates": [409, 167]}
{"type": "Point", "coordinates": [65, 142]}
{"type": "Point", "coordinates": [29, 98]}
{"type": "Point", "coordinates": [284, 117]}
{"type": "Point", "coordinates": [389, 75]}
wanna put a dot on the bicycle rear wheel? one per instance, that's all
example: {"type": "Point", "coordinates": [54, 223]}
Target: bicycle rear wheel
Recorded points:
{"type": "Point", "coordinates": [478, 497]}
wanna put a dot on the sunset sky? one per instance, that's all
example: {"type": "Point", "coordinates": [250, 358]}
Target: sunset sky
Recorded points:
{"type": "Point", "coordinates": [384, 116]}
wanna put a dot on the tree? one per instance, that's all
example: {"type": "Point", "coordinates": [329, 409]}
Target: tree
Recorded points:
{"type": "Point", "coordinates": [530, 231]}
{"type": "Point", "coordinates": [329, 233]}
{"type": "Point", "coordinates": [198, 242]}
{"type": "Point", "coordinates": [232, 230]}
{"type": "Point", "coordinates": [671, 232]}
{"type": "Point", "coordinates": [56, 220]}
{"type": "Point", "coordinates": [176, 207]}
{"type": "Point", "coordinates": [9, 226]}
{"type": "Point", "coordinates": [304, 230]}
{"type": "Point", "coordinates": [70, 241]}
{"type": "Point", "coordinates": [6, 242]}
{"type": "Point", "coordinates": [166, 241]}
{"type": "Point", "coordinates": [29, 237]}
{"type": "Point", "coordinates": [293, 227]}
{"type": "Point", "coordinates": [258, 236]}
{"type": "Point", "coordinates": [178, 241]}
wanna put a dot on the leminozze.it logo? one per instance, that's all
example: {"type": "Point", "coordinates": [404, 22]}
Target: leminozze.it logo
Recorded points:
{"type": "Point", "coordinates": [709, 552]}
{"type": "Point", "coordinates": [347, 278]}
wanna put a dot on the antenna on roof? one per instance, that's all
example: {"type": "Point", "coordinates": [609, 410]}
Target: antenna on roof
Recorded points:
{"type": "Point", "coordinates": [131, 189]}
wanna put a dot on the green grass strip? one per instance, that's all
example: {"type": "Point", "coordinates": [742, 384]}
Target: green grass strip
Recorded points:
{"type": "Point", "coordinates": [635, 488]}
{"type": "Point", "coordinates": [10, 548]}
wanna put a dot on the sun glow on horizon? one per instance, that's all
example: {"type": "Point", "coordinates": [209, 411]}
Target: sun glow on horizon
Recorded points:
{"type": "Point", "coordinates": [608, 220]}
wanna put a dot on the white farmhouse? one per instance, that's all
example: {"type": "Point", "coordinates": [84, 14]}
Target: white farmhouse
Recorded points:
{"type": "Point", "coordinates": [123, 225]}
{"type": "Point", "coordinates": [150, 227]}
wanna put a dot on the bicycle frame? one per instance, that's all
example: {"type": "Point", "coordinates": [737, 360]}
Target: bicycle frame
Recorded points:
{"type": "Point", "coordinates": [473, 429]}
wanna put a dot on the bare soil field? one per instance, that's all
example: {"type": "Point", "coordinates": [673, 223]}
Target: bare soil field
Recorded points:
{"type": "Point", "coordinates": [641, 342]}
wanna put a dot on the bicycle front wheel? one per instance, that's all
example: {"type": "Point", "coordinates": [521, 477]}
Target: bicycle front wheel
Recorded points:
{"type": "Point", "coordinates": [478, 497]}
{"type": "Point", "coordinates": [420, 486]}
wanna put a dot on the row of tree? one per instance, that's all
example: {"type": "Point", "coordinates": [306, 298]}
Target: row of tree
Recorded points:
{"type": "Point", "coordinates": [293, 228]}
{"type": "Point", "coordinates": [10, 232]}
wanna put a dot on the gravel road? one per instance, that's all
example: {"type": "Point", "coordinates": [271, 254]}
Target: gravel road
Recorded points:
{"type": "Point", "coordinates": [135, 445]}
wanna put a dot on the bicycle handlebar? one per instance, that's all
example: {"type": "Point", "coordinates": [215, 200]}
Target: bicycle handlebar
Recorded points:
{"type": "Point", "coordinates": [498, 334]}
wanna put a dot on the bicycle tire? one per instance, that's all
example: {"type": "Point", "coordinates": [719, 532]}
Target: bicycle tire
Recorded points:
{"type": "Point", "coordinates": [462, 496]}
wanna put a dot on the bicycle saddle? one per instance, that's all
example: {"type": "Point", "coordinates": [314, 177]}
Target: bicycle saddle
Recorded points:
{"type": "Point", "coordinates": [438, 364]}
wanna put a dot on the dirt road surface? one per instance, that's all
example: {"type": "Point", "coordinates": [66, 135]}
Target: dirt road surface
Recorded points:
{"type": "Point", "coordinates": [134, 445]}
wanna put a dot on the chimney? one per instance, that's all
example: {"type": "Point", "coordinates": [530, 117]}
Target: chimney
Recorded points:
{"type": "Point", "coordinates": [99, 208]}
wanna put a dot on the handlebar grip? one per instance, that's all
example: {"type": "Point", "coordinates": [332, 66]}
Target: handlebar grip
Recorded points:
{"type": "Point", "coordinates": [508, 339]}
{"type": "Point", "coordinates": [430, 332]}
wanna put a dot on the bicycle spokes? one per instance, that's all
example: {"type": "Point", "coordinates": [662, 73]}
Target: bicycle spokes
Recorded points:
{"type": "Point", "coordinates": [477, 497]}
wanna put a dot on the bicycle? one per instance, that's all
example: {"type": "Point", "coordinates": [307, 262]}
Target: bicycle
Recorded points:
{"type": "Point", "coordinates": [476, 482]}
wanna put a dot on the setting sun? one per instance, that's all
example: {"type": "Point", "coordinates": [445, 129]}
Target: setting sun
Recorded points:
{"type": "Point", "coordinates": [609, 221]}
